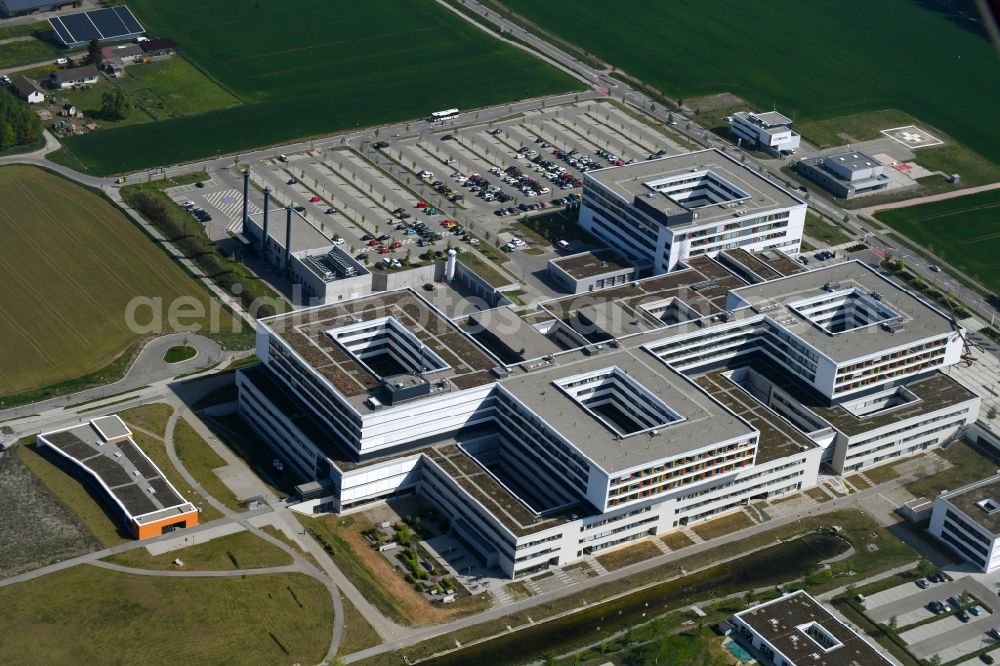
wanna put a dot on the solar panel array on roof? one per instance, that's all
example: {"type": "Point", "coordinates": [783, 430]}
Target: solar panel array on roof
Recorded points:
{"type": "Point", "coordinates": [100, 24]}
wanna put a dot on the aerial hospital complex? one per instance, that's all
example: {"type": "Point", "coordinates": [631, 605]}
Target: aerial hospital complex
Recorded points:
{"type": "Point", "coordinates": [546, 434]}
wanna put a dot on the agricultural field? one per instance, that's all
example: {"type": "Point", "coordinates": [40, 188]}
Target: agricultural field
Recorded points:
{"type": "Point", "coordinates": [36, 529]}
{"type": "Point", "coordinates": [843, 65]}
{"type": "Point", "coordinates": [72, 263]}
{"type": "Point", "coordinates": [347, 65]}
{"type": "Point", "coordinates": [963, 231]}
{"type": "Point", "coordinates": [85, 614]}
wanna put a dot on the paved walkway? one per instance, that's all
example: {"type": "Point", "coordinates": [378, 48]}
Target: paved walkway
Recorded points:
{"type": "Point", "coordinates": [850, 501]}
{"type": "Point", "coordinates": [871, 210]}
{"type": "Point", "coordinates": [147, 368]}
{"type": "Point", "coordinates": [300, 563]}
{"type": "Point", "coordinates": [230, 573]}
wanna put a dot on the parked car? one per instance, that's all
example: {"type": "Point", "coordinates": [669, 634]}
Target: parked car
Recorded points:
{"type": "Point", "coordinates": [986, 658]}
{"type": "Point", "coordinates": [976, 610]}
{"type": "Point", "coordinates": [963, 616]}
{"type": "Point", "coordinates": [935, 268]}
{"type": "Point", "coordinates": [199, 184]}
{"type": "Point", "coordinates": [314, 199]}
{"type": "Point", "coordinates": [923, 584]}
{"type": "Point", "coordinates": [292, 181]}
{"type": "Point", "coordinates": [331, 211]}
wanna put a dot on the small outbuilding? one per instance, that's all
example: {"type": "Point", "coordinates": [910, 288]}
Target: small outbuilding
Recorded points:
{"type": "Point", "coordinates": [28, 89]}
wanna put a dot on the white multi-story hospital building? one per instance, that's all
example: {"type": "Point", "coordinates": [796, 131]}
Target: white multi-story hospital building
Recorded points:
{"type": "Point", "coordinates": [659, 212]}
{"type": "Point", "coordinates": [604, 418]}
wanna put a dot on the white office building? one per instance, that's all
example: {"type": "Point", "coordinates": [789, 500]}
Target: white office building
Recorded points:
{"type": "Point", "coordinates": [967, 521]}
{"type": "Point", "coordinates": [771, 131]}
{"type": "Point", "coordinates": [659, 212]}
{"type": "Point", "coordinates": [797, 630]}
{"type": "Point", "coordinates": [601, 418]}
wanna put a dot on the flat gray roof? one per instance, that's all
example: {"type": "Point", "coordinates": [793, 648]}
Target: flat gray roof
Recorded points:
{"type": "Point", "coordinates": [849, 159]}
{"type": "Point", "coordinates": [592, 264]}
{"type": "Point", "coordinates": [967, 500]}
{"type": "Point", "coordinates": [508, 336]}
{"type": "Point", "coordinates": [628, 182]}
{"type": "Point", "coordinates": [784, 623]}
{"type": "Point", "coordinates": [705, 422]}
{"type": "Point", "coordinates": [122, 466]}
{"type": "Point", "coordinates": [304, 235]}
{"type": "Point", "coordinates": [766, 118]}
{"type": "Point", "coordinates": [305, 331]}
{"type": "Point", "coordinates": [919, 320]}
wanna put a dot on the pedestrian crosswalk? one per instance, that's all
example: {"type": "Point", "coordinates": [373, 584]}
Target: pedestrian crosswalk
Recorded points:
{"type": "Point", "coordinates": [230, 204]}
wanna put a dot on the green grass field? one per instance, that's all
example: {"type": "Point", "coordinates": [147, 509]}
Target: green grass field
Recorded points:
{"type": "Point", "coordinates": [963, 231]}
{"type": "Point", "coordinates": [87, 615]}
{"type": "Point", "coordinates": [240, 550]}
{"type": "Point", "coordinates": [346, 65]}
{"type": "Point", "coordinates": [71, 263]}
{"type": "Point", "coordinates": [899, 56]}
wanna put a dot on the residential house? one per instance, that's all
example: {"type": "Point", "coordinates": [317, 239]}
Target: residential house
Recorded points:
{"type": "Point", "coordinates": [74, 76]}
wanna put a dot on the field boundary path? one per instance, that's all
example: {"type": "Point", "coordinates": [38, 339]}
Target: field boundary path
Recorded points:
{"type": "Point", "coordinates": [906, 203]}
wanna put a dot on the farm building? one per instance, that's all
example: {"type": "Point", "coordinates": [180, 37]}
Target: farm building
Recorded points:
{"type": "Point", "coordinates": [74, 76]}
{"type": "Point", "coordinates": [28, 89]}
{"type": "Point", "coordinates": [104, 455]}
{"type": "Point", "coordinates": [25, 7]}
{"type": "Point", "coordinates": [161, 46]}
{"type": "Point", "coordinates": [124, 54]}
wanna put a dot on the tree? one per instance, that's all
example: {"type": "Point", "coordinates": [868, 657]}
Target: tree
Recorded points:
{"type": "Point", "coordinates": [8, 138]}
{"type": "Point", "coordinates": [115, 104]}
{"type": "Point", "coordinates": [991, 413]}
{"type": "Point", "coordinates": [94, 53]}
{"type": "Point", "coordinates": [893, 624]}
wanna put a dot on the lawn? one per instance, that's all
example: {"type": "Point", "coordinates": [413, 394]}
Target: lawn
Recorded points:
{"type": "Point", "coordinates": [378, 580]}
{"type": "Point", "coordinates": [623, 557]}
{"type": "Point", "coordinates": [962, 231]}
{"type": "Point", "coordinates": [157, 452]}
{"type": "Point", "coordinates": [87, 615]}
{"type": "Point", "coordinates": [179, 354]}
{"type": "Point", "coordinates": [72, 264]}
{"type": "Point", "coordinates": [358, 633]}
{"type": "Point", "coordinates": [173, 88]}
{"type": "Point", "coordinates": [75, 496]}
{"type": "Point", "coordinates": [685, 49]}
{"type": "Point", "coordinates": [677, 540]}
{"type": "Point", "coordinates": [826, 232]}
{"type": "Point", "coordinates": [723, 526]}
{"type": "Point", "coordinates": [199, 459]}
{"type": "Point", "coordinates": [151, 418]}
{"type": "Point", "coordinates": [241, 550]}
{"type": "Point", "coordinates": [347, 64]}
{"type": "Point", "coordinates": [968, 465]}
{"type": "Point", "coordinates": [37, 527]}
{"type": "Point", "coordinates": [27, 52]}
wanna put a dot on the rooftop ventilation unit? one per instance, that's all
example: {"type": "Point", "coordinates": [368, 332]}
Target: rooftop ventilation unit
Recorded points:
{"type": "Point", "coordinates": [705, 284]}
{"type": "Point", "coordinates": [831, 286]}
{"type": "Point", "coordinates": [876, 295]}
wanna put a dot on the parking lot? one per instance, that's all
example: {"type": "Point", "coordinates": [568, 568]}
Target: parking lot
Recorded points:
{"type": "Point", "coordinates": [389, 195]}
{"type": "Point", "coordinates": [951, 619]}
